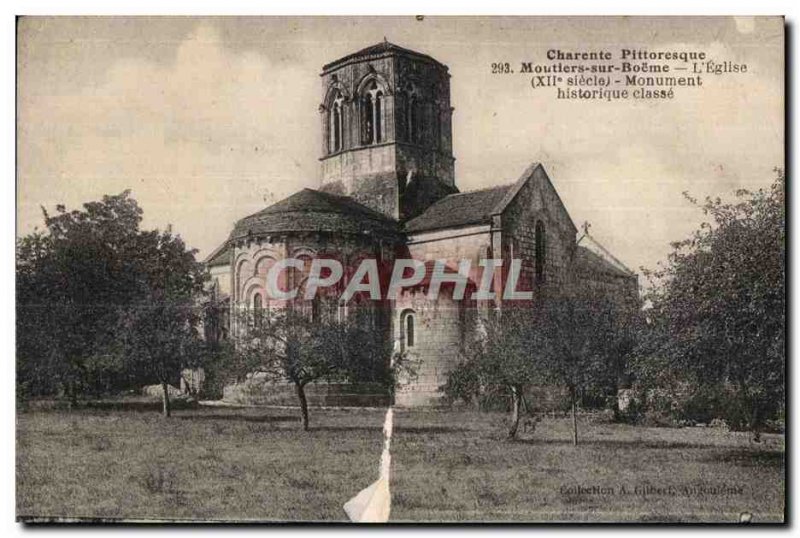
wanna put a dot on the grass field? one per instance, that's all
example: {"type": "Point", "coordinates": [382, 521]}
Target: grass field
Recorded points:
{"type": "Point", "coordinates": [256, 464]}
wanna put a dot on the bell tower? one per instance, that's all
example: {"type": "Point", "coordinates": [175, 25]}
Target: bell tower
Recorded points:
{"type": "Point", "coordinates": [387, 129]}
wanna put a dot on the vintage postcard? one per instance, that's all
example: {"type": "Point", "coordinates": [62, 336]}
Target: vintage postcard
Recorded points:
{"type": "Point", "coordinates": [401, 269]}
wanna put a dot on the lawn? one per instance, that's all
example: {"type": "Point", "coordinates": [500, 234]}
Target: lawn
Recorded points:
{"type": "Point", "coordinates": [256, 464]}
{"type": "Point", "coordinates": [459, 467]}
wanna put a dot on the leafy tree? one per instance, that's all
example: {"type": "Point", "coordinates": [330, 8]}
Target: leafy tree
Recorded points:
{"type": "Point", "coordinates": [78, 280]}
{"type": "Point", "coordinates": [157, 333]}
{"type": "Point", "coordinates": [290, 344]}
{"type": "Point", "coordinates": [574, 340]}
{"type": "Point", "coordinates": [504, 356]}
{"type": "Point", "coordinates": [70, 280]}
{"type": "Point", "coordinates": [158, 339]}
{"type": "Point", "coordinates": [718, 303]}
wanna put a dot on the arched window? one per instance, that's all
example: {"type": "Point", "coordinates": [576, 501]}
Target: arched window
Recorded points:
{"type": "Point", "coordinates": [367, 130]}
{"type": "Point", "coordinates": [315, 309]}
{"type": "Point", "coordinates": [540, 251]}
{"type": "Point", "coordinates": [413, 118]}
{"type": "Point", "coordinates": [437, 127]}
{"type": "Point", "coordinates": [412, 114]}
{"type": "Point", "coordinates": [258, 309]}
{"type": "Point", "coordinates": [378, 118]}
{"type": "Point", "coordinates": [372, 114]}
{"type": "Point", "coordinates": [407, 330]}
{"type": "Point", "coordinates": [336, 129]}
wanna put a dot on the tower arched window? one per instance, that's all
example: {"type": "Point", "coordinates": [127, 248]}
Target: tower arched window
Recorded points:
{"type": "Point", "coordinates": [336, 128]}
{"type": "Point", "coordinates": [412, 114]}
{"type": "Point", "coordinates": [367, 130]}
{"type": "Point", "coordinates": [413, 118]}
{"type": "Point", "coordinates": [437, 126]}
{"type": "Point", "coordinates": [540, 251]}
{"type": "Point", "coordinates": [378, 117]}
{"type": "Point", "coordinates": [372, 102]}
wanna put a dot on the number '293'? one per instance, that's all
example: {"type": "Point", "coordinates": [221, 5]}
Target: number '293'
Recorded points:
{"type": "Point", "coordinates": [500, 68]}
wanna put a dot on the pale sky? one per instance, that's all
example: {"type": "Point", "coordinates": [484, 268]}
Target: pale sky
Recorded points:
{"type": "Point", "coordinates": [209, 119]}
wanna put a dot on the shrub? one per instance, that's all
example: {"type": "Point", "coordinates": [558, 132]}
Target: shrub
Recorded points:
{"type": "Point", "coordinates": [218, 363]}
{"type": "Point", "coordinates": [686, 405]}
{"type": "Point", "coordinates": [720, 424]}
{"type": "Point", "coordinates": [463, 384]}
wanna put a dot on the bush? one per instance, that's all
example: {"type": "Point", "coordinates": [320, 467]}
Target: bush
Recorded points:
{"type": "Point", "coordinates": [654, 408]}
{"type": "Point", "coordinates": [775, 426]}
{"type": "Point", "coordinates": [218, 364]}
{"type": "Point", "coordinates": [720, 424]}
{"type": "Point", "coordinates": [688, 405]}
{"type": "Point", "coordinates": [657, 419]}
{"type": "Point", "coordinates": [494, 398]}
{"type": "Point", "coordinates": [463, 384]}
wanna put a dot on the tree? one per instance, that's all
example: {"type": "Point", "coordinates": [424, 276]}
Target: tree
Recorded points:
{"type": "Point", "coordinates": [78, 279]}
{"type": "Point", "coordinates": [503, 356]}
{"type": "Point", "coordinates": [70, 280]}
{"type": "Point", "coordinates": [158, 333]}
{"type": "Point", "coordinates": [158, 338]}
{"type": "Point", "coordinates": [585, 333]}
{"type": "Point", "coordinates": [291, 344]}
{"type": "Point", "coordinates": [576, 339]}
{"type": "Point", "coordinates": [718, 303]}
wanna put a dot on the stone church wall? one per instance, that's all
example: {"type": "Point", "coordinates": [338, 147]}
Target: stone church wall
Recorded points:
{"type": "Point", "coordinates": [439, 327]}
{"type": "Point", "coordinates": [536, 201]}
{"type": "Point", "coordinates": [252, 260]}
{"type": "Point", "coordinates": [368, 175]}
{"type": "Point", "coordinates": [470, 243]}
{"type": "Point", "coordinates": [221, 276]}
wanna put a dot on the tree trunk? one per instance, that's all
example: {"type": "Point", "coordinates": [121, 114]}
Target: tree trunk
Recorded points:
{"type": "Point", "coordinates": [574, 418]}
{"type": "Point", "coordinates": [524, 402]}
{"type": "Point", "coordinates": [301, 396]}
{"type": "Point", "coordinates": [755, 422]}
{"type": "Point", "coordinates": [615, 406]}
{"type": "Point", "coordinates": [516, 398]}
{"type": "Point", "coordinates": [752, 402]}
{"type": "Point", "coordinates": [72, 394]}
{"type": "Point", "coordinates": [167, 410]}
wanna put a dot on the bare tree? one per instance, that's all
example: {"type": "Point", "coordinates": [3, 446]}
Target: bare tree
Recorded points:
{"type": "Point", "coordinates": [581, 332]}
{"type": "Point", "coordinates": [290, 344]}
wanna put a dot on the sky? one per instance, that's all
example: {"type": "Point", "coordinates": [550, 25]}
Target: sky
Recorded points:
{"type": "Point", "coordinates": [208, 120]}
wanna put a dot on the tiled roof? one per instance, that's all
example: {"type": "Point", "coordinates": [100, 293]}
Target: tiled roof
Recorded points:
{"type": "Point", "coordinates": [315, 211]}
{"type": "Point", "coordinates": [590, 261]}
{"type": "Point", "coordinates": [381, 48]}
{"type": "Point", "coordinates": [456, 210]}
{"type": "Point", "coordinates": [221, 256]}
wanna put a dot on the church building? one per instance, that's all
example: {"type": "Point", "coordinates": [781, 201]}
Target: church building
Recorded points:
{"type": "Point", "coordinates": [388, 190]}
